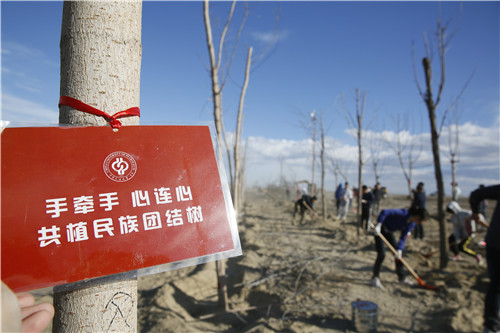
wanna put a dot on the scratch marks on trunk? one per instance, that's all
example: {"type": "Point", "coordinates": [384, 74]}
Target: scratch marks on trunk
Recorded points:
{"type": "Point", "coordinates": [121, 305]}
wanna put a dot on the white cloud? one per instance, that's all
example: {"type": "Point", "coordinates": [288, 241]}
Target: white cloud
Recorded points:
{"type": "Point", "coordinates": [477, 145]}
{"type": "Point", "coordinates": [269, 36]}
{"type": "Point", "coordinates": [19, 50]}
{"type": "Point", "coordinates": [32, 87]}
{"type": "Point", "coordinates": [268, 160]}
{"type": "Point", "coordinates": [16, 109]}
{"type": "Point", "coordinates": [21, 62]}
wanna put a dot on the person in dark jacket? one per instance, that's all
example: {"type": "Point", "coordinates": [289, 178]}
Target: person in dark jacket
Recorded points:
{"type": "Point", "coordinates": [306, 202]}
{"type": "Point", "coordinates": [483, 205]}
{"type": "Point", "coordinates": [492, 299]}
{"type": "Point", "coordinates": [378, 195]}
{"type": "Point", "coordinates": [389, 221]}
{"type": "Point", "coordinates": [366, 205]}
{"type": "Point", "coordinates": [419, 201]}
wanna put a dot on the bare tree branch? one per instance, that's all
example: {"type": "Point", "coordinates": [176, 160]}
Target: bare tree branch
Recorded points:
{"type": "Point", "coordinates": [377, 157]}
{"type": "Point", "coordinates": [235, 46]}
{"type": "Point", "coordinates": [273, 42]}
{"type": "Point", "coordinates": [417, 82]}
{"type": "Point", "coordinates": [338, 167]}
{"type": "Point", "coordinates": [457, 99]}
{"type": "Point", "coordinates": [224, 32]}
{"type": "Point", "coordinates": [405, 149]}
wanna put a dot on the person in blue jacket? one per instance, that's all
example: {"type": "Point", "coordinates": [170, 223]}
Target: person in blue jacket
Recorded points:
{"type": "Point", "coordinates": [338, 193]}
{"type": "Point", "coordinates": [492, 299]}
{"type": "Point", "coordinates": [388, 222]}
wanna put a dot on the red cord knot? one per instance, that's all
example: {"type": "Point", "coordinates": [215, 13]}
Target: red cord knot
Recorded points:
{"type": "Point", "coordinates": [112, 119]}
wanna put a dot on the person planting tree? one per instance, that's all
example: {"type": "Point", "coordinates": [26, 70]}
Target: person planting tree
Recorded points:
{"type": "Point", "coordinates": [306, 202]}
{"type": "Point", "coordinates": [388, 222]}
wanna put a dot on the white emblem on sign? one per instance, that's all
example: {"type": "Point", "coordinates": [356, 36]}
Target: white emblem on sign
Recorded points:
{"type": "Point", "coordinates": [120, 166]}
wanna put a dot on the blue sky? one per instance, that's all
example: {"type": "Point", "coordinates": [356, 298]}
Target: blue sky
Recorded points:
{"type": "Point", "coordinates": [325, 49]}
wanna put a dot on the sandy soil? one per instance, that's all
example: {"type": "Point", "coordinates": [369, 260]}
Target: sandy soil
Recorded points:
{"type": "Point", "coordinates": [304, 278]}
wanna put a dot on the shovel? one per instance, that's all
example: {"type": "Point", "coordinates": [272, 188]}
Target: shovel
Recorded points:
{"type": "Point", "coordinates": [408, 267]}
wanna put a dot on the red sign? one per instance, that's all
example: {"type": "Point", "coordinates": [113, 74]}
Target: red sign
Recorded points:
{"type": "Point", "coordinates": [84, 202]}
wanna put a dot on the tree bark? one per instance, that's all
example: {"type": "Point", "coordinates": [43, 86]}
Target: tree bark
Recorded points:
{"type": "Point", "coordinates": [100, 58]}
{"type": "Point", "coordinates": [100, 66]}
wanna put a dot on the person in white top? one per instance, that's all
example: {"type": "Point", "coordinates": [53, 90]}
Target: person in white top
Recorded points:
{"type": "Point", "coordinates": [464, 229]}
{"type": "Point", "coordinates": [456, 192]}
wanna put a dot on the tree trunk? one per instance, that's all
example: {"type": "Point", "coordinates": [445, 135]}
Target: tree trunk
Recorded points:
{"type": "Point", "coordinates": [454, 159]}
{"type": "Point", "coordinates": [431, 107]}
{"type": "Point", "coordinates": [220, 265]}
{"type": "Point", "coordinates": [313, 186]}
{"type": "Point", "coordinates": [216, 85]}
{"type": "Point", "coordinates": [360, 109]}
{"type": "Point", "coordinates": [100, 58]}
{"type": "Point", "coordinates": [454, 178]}
{"type": "Point", "coordinates": [360, 174]}
{"type": "Point", "coordinates": [100, 66]}
{"type": "Point", "coordinates": [100, 307]}
{"type": "Point", "coordinates": [323, 167]}
{"type": "Point", "coordinates": [243, 175]}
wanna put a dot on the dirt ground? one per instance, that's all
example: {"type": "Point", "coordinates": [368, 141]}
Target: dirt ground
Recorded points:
{"type": "Point", "coordinates": [304, 278]}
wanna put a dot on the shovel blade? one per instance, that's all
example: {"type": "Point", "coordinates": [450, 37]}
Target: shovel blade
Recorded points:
{"type": "Point", "coordinates": [420, 282]}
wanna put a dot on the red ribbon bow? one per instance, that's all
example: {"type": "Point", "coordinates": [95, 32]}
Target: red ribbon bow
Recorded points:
{"type": "Point", "coordinates": [112, 119]}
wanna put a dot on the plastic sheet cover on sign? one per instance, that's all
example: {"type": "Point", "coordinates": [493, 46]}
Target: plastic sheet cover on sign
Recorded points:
{"type": "Point", "coordinates": [79, 203]}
